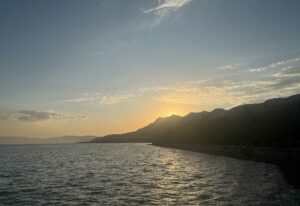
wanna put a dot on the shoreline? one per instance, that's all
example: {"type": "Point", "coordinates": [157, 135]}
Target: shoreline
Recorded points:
{"type": "Point", "coordinates": [287, 159]}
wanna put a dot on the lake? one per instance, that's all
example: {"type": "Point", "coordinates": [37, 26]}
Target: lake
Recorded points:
{"type": "Point", "coordinates": [135, 174]}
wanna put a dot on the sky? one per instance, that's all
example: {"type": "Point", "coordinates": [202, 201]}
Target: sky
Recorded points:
{"type": "Point", "coordinates": [97, 67]}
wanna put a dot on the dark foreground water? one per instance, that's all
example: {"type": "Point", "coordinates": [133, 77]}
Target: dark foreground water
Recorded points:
{"type": "Point", "coordinates": [135, 174]}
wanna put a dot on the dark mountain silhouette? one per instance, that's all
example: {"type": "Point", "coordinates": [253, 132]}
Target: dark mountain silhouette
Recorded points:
{"type": "Point", "coordinates": [147, 134]}
{"type": "Point", "coordinates": [273, 123]}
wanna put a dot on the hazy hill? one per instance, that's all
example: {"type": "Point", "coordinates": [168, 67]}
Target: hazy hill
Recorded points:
{"type": "Point", "coordinates": [52, 140]}
{"type": "Point", "coordinates": [146, 134]}
{"type": "Point", "coordinates": [19, 140]}
{"type": "Point", "coordinates": [275, 122]}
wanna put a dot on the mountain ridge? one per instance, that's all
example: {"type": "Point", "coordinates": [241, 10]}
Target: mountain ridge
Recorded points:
{"type": "Point", "coordinates": [274, 122]}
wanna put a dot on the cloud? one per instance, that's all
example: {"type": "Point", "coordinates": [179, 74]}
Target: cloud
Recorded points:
{"type": "Point", "coordinates": [164, 7]}
{"type": "Point", "coordinates": [293, 82]}
{"type": "Point", "coordinates": [212, 93]}
{"type": "Point", "coordinates": [275, 65]}
{"type": "Point", "coordinates": [217, 91]}
{"type": "Point", "coordinates": [228, 93]}
{"type": "Point", "coordinates": [203, 94]}
{"type": "Point", "coordinates": [36, 116]}
{"type": "Point", "coordinates": [229, 66]}
{"type": "Point", "coordinates": [288, 77]}
{"type": "Point", "coordinates": [289, 72]}
{"type": "Point", "coordinates": [102, 99]}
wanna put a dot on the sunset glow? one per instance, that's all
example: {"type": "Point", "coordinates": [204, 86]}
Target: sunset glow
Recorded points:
{"type": "Point", "coordinates": [102, 67]}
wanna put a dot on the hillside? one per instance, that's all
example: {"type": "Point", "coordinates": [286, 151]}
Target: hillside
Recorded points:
{"type": "Point", "coordinates": [146, 134]}
{"type": "Point", "coordinates": [275, 122]}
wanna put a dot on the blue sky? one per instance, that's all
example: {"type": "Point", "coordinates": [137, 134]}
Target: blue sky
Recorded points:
{"type": "Point", "coordinates": [109, 66]}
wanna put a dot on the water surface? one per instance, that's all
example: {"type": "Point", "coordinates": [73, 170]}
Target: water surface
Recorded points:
{"type": "Point", "coordinates": [135, 174]}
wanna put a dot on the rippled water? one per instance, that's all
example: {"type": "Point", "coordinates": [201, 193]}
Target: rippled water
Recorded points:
{"type": "Point", "coordinates": [135, 174]}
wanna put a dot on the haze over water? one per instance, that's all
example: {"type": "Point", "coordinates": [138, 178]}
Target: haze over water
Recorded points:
{"type": "Point", "coordinates": [135, 174]}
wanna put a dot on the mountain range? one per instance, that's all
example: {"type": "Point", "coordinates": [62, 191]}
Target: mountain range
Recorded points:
{"type": "Point", "coordinates": [273, 123]}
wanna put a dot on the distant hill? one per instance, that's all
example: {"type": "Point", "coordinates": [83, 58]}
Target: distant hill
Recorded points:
{"type": "Point", "coordinates": [275, 122]}
{"type": "Point", "coordinates": [146, 134]}
{"type": "Point", "coordinates": [52, 140]}
{"type": "Point", "coordinates": [19, 140]}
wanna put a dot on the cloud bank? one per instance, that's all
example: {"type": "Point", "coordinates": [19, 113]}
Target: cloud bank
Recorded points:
{"type": "Point", "coordinates": [101, 99]}
{"type": "Point", "coordinates": [37, 116]}
{"type": "Point", "coordinates": [289, 72]}
{"type": "Point", "coordinates": [275, 65]}
{"type": "Point", "coordinates": [282, 78]}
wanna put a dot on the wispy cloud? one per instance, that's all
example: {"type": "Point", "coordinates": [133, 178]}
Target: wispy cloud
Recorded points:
{"type": "Point", "coordinates": [211, 94]}
{"type": "Point", "coordinates": [218, 91]}
{"type": "Point", "coordinates": [165, 7]}
{"type": "Point", "coordinates": [203, 94]}
{"type": "Point", "coordinates": [208, 95]}
{"type": "Point", "coordinates": [37, 116]}
{"type": "Point", "coordinates": [288, 72]}
{"type": "Point", "coordinates": [275, 65]}
{"type": "Point", "coordinates": [102, 99]}
{"type": "Point", "coordinates": [230, 66]}
{"type": "Point", "coordinates": [292, 82]}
